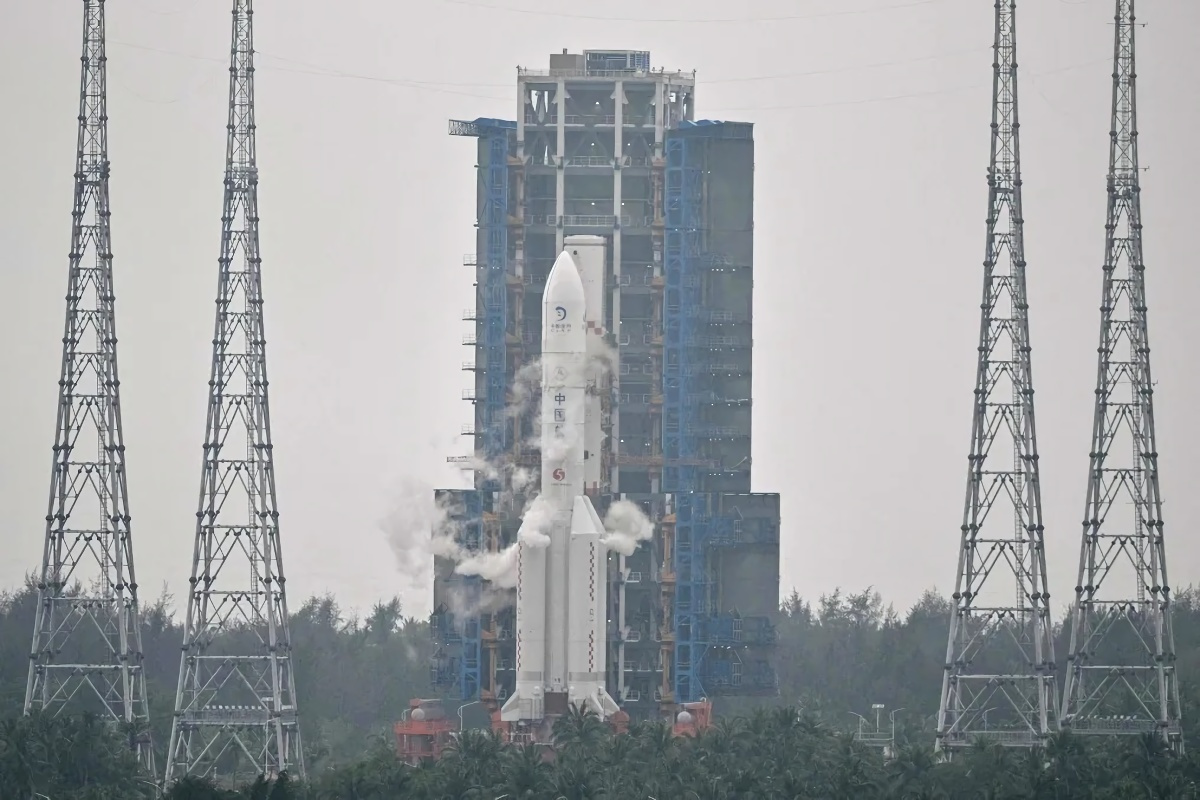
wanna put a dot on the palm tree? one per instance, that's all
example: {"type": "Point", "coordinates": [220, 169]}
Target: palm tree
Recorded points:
{"type": "Point", "coordinates": [526, 773]}
{"type": "Point", "coordinates": [580, 727]}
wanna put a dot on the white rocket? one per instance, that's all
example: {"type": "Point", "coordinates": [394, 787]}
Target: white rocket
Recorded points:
{"type": "Point", "coordinates": [562, 585]}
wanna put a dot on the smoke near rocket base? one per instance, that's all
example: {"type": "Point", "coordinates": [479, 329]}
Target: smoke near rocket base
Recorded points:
{"type": "Point", "coordinates": [626, 527]}
{"type": "Point", "coordinates": [419, 529]}
{"type": "Point", "coordinates": [409, 529]}
{"type": "Point", "coordinates": [536, 523]}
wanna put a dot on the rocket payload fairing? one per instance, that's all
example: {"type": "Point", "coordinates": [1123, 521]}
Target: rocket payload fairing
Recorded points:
{"type": "Point", "coordinates": [562, 583]}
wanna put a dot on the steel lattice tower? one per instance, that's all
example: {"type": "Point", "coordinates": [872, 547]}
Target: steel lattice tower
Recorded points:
{"type": "Point", "coordinates": [87, 640]}
{"type": "Point", "coordinates": [235, 710]}
{"type": "Point", "coordinates": [1000, 655]}
{"type": "Point", "coordinates": [1121, 669]}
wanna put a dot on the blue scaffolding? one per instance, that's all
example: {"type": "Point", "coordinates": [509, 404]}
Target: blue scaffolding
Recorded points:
{"type": "Point", "coordinates": [472, 539]}
{"type": "Point", "coordinates": [681, 316]}
{"type": "Point", "coordinates": [457, 642]}
{"type": "Point", "coordinates": [688, 357]}
{"type": "Point", "coordinates": [732, 675]}
{"type": "Point", "coordinates": [493, 287]}
{"type": "Point", "coordinates": [492, 432]}
{"type": "Point", "coordinates": [735, 661]}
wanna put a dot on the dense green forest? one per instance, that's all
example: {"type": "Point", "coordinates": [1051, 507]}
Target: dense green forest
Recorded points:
{"type": "Point", "coordinates": [773, 754]}
{"type": "Point", "coordinates": [836, 656]}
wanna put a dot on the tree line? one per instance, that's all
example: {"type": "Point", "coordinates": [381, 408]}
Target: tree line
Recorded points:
{"type": "Point", "coordinates": [773, 754]}
{"type": "Point", "coordinates": [836, 656]}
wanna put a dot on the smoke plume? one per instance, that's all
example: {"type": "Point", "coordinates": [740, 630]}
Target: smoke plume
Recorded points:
{"type": "Point", "coordinates": [500, 569]}
{"type": "Point", "coordinates": [536, 524]}
{"type": "Point", "coordinates": [488, 599]}
{"type": "Point", "coordinates": [526, 386]}
{"type": "Point", "coordinates": [418, 528]}
{"type": "Point", "coordinates": [626, 527]}
{"type": "Point", "coordinates": [407, 525]}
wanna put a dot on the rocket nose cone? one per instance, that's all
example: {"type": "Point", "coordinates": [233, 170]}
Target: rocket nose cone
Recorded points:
{"type": "Point", "coordinates": [564, 306]}
{"type": "Point", "coordinates": [564, 287]}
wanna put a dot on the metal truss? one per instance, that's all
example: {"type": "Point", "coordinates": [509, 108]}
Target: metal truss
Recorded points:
{"type": "Point", "coordinates": [1121, 668]}
{"type": "Point", "coordinates": [1000, 653]}
{"type": "Point", "coordinates": [469, 674]}
{"type": "Point", "coordinates": [87, 643]}
{"type": "Point", "coordinates": [235, 708]}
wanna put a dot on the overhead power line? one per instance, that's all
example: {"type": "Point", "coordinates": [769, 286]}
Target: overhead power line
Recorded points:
{"type": "Point", "coordinates": [455, 88]}
{"type": "Point", "coordinates": [692, 20]}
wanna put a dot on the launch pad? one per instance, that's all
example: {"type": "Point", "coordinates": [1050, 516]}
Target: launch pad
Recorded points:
{"type": "Point", "coordinates": [541, 732]}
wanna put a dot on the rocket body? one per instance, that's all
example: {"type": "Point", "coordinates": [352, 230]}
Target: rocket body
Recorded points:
{"type": "Point", "coordinates": [589, 255]}
{"type": "Point", "coordinates": [562, 583]}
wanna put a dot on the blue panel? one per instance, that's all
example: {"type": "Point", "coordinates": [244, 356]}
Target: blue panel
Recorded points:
{"type": "Point", "coordinates": [481, 127]}
{"type": "Point", "coordinates": [687, 364]}
{"type": "Point", "coordinates": [444, 671]}
{"type": "Point", "coordinates": [472, 587]}
{"type": "Point", "coordinates": [457, 643]}
{"type": "Point", "coordinates": [716, 129]}
{"type": "Point", "coordinates": [731, 532]}
{"type": "Point", "coordinates": [720, 676]}
{"type": "Point", "coordinates": [600, 61]}
{"type": "Point", "coordinates": [493, 441]}
{"type": "Point", "coordinates": [731, 675]}
{"type": "Point", "coordinates": [731, 630]}
{"type": "Point", "coordinates": [681, 363]}
{"type": "Point", "coordinates": [495, 224]}
{"type": "Point", "coordinates": [681, 314]}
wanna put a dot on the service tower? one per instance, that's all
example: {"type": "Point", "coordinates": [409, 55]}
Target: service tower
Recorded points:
{"type": "Point", "coordinates": [607, 151]}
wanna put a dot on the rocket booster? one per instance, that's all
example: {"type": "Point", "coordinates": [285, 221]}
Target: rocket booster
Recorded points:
{"type": "Point", "coordinates": [562, 584]}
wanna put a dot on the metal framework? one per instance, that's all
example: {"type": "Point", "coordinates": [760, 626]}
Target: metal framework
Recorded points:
{"type": "Point", "coordinates": [682, 360]}
{"type": "Point", "coordinates": [493, 288]}
{"type": "Point", "coordinates": [706, 649]}
{"type": "Point", "coordinates": [1121, 668]}
{"type": "Point", "coordinates": [465, 672]}
{"type": "Point", "coordinates": [1000, 653]}
{"type": "Point", "coordinates": [87, 642]}
{"type": "Point", "coordinates": [235, 708]}
{"type": "Point", "coordinates": [681, 306]}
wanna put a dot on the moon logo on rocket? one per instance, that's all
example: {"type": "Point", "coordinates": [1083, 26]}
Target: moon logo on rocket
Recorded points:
{"type": "Point", "coordinates": [561, 311]}
{"type": "Point", "coordinates": [559, 474]}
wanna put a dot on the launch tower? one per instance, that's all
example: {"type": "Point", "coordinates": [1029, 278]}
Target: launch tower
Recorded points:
{"type": "Point", "coordinates": [235, 706]}
{"type": "Point", "coordinates": [87, 638]}
{"type": "Point", "coordinates": [1000, 652]}
{"type": "Point", "coordinates": [1121, 667]}
{"type": "Point", "coordinates": [606, 146]}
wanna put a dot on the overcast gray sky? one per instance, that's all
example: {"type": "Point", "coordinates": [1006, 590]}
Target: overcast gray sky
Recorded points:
{"type": "Point", "coordinates": [871, 119]}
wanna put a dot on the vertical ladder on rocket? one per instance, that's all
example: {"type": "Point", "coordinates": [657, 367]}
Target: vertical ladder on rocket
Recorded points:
{"type": "Point", "coordinates": [562, 576]}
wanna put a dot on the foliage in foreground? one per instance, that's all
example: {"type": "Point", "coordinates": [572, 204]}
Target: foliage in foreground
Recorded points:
{"type": "Point", "coordinates": [772, 755]}
{"type": "Point", "coordinates": [835, 656]}
{"type": "Point", "coordinates": [79, 758]}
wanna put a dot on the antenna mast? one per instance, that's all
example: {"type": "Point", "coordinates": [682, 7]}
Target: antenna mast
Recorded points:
{"type": "Point", "coordinates": [87, 640]}
{"type": "Point", "coordinates": [235, 708]}
{"type": "Point", "coordinates": [1121, 668]}
{"type": "Point", "coordinates": [1000, 654]}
